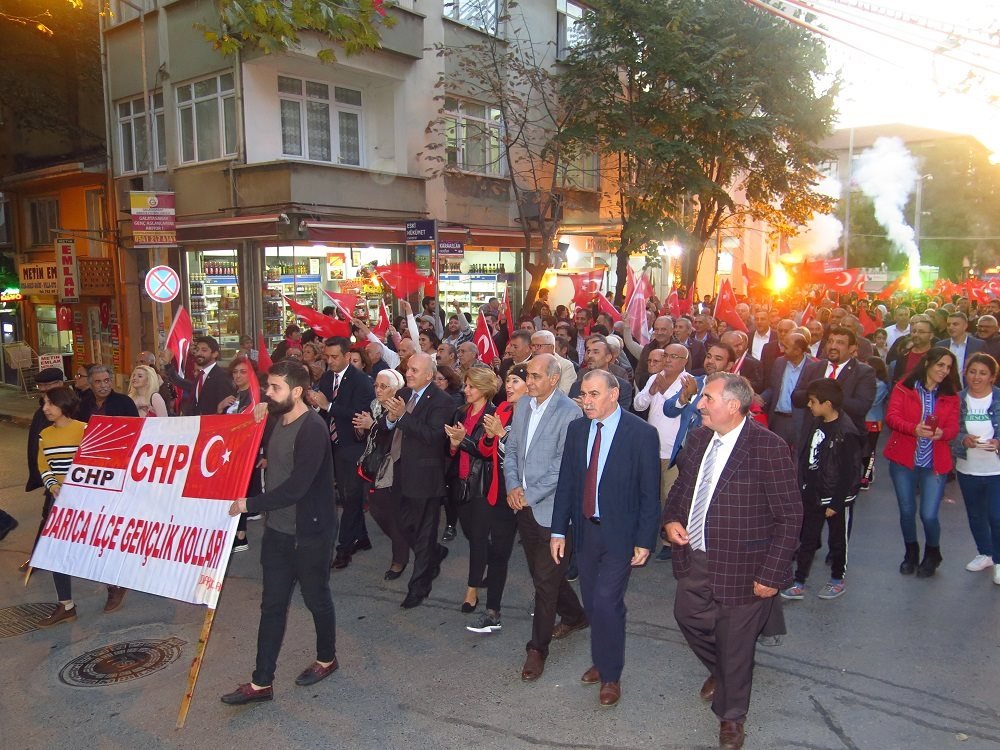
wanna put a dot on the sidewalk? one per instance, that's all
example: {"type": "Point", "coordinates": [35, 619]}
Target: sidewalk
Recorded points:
{"type": "Point", "coordinates": [16, 407]}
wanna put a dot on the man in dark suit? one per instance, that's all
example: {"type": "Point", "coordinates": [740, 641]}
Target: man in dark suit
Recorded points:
{"type": "Point", "coordinates": [609, 487]}
{"type": "Point", "coordinates": [417, 415]}
{"type": "Point", "coordinates": [959, 342]}
{"type": "Point", "coordinates": [775, 347]}
{"type": "Point", "coordinates": [761, 335]}
{"type": "Point", "coordinates": [106, 400]}
{"type": "Point", "coordinates": [855, 378]}
{"type": "Point", "coordinates": [342, 392]}
{"type": "Point", "coordinates": [733, 517]}
{"type": "Point", "coordinates": [697, 350]}
{"type": "Point", "coordinates": [745, 363]}
{"type": "Point", "coordinates": [703, 330]}
{"type": "Point", "coordinates": [783, 419]}
{"type": "Point", "coordinates": [211, 384]}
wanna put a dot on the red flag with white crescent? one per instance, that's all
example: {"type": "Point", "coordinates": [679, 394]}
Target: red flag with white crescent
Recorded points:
{"type": "Point", "coordinates": [179, 337]}
{"type": "Point", "coordinates": [725, 308]}
{"type": "Point", "coordinates": [586, 285]}
{"type": "Point", "coordinates": [323, 325]}
{"type": "Point", "coordinates": [672, 305]}
{"type": "Point", "coordinates": [263, 357]}
{"type": "Point", "coordinates": [222, 458]}
{"type": "Point", "coordinates": [505, 310]}
{"type": "Point", "coordinates": [345, 302]}
{"type": "Point", "coordinates": [605, 306]}
{"type": "Point", "coordinates": [383, 320]}
{"type": "Point", "coordinates": [808, 314]}
{"type": "Point", "coordinates": [484, 341]}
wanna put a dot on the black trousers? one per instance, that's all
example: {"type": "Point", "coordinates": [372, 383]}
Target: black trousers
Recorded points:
{"type": "Point", "coordinates": [419, 518]}
{"type": "Point", "coordinates": [350, 488]}
{"type": "Point", "coordinates": [286, 561]}
{"type": "Point", "coordinates": [553, 594]}
{"type": "Point", "coordinates": [383, 504]}
{"type": "Point", "coordinates": [724, 638]}
{"type": "Point", "coordinates": [603, 582]}
{"type": "Point", "coordinates": [811, 539]}
{"type": "Point", "coordinates": [490, 530]}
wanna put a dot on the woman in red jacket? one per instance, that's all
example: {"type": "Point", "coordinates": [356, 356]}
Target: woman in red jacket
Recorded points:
{"type": "Point", "coordinates": [923, 415]}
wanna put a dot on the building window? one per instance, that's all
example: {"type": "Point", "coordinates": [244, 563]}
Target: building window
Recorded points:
{"type": "Point", "coordinates": [314, 126]}
{"type": "Point", "coordinates": [206, 110]}
{"type": "Point", "coordinates": [480, 14]}
{"type": "Point", "coordinates": [582, 172]}
{"type": "Point", "coordinates": [132, 135]}
{"type": "Point", "coordinates": [569, 29]}
{"type": "Point", "coordinates": [474, 137]}
{"type": "Point", "coordinates": [6, 227]}
{"type": "Point", "coordinates": [95, 223]}
{"type": "Point", "coordinates": [44, 216]}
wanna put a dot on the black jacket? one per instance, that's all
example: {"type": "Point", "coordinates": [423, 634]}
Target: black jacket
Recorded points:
{"type": "Point", "coordinates": [116, 405]}
{"type": "Point", "coordinates": [310, 487]}
{"type": "Point", "coordinates": [216, 387]}
{"type": "Point", "coordinates": [830, 474]}
{"type": "Point", "coordinates": [420, 470]}
{"type": "Point", "coordinates": [38, 423]}
{"type": "Point", "coordinates": [857, 381]}
{"type": "Point", "coordinates": [480, 467]}
{"type": "Point", "coordinates": [354, 394]}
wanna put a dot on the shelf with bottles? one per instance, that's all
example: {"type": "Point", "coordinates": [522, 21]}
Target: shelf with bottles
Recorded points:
{"type": "Point", "coordinates": [218, 267]}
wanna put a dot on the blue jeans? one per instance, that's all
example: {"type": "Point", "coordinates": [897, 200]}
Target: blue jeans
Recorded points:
{"type": "Point", "coordinates": [982, 504]}
{"type": "Point", "coordinates": [931, 485]}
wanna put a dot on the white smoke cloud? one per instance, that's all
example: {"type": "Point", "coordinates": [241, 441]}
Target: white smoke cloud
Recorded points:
{"type": "Point", "coordinates": [822, 233]}
{"type": "Point", "coordinates": [887, 173]}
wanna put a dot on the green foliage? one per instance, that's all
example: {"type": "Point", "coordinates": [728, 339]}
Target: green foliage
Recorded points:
{"type": "Point", "coordinates": [274, 26]}
{"type": "Point", "coordinates": [711, 110]}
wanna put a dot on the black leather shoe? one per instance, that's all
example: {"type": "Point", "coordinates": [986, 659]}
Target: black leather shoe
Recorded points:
{"type": "Point", "coordinates": [316, 672]}
{"type": "Point", "coordinates": [246, 694]}
{"type": "Point", "coordinates": [392, 575]}
{"type": "Point", "coordinates": [442, 554]}
{"type": "Point", "coordinates": [412, 600]}
{"type": "Point", "coordinates": [468, 609]}
{"type": "Point", "coordinates": [362, 545]}
{"type": "Point", "coordinates": [7, 526]}
{"type": "Point", "coordinates": [340, 562]}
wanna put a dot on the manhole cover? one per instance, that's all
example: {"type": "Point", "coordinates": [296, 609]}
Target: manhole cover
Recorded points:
{"type": "Point", "coordinates": [23, 618]}
{"type": "Point", "coordinates": [120, 662]}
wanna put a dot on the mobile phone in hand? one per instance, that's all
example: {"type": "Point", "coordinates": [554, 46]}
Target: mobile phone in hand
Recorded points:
{"type": "Point", "coordinates": [931, 420]}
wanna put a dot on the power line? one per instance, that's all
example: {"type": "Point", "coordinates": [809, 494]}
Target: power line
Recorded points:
{"type": "Point", "coordinates": [952, 29]}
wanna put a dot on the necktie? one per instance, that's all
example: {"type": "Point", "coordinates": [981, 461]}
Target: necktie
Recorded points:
{"type": "Point", "coordinates": [833, 372]}
{"type": "Point", "coordinates": [699, 509]}
{"type": "Point", "coordinates": [198, 385]}
{"type": "Point", "coordinates": [333, 421]}
{"type": "Point", "coordinates": [590, 480]}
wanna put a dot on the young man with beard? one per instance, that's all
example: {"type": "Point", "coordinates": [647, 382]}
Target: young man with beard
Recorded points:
{"type": "Point", "coordinates": [299, 529]}
{"type": "Point", "coordinates": [211, 383]}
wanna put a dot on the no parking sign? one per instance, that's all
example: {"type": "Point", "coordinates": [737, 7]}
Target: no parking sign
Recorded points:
{"type": "Point", "coordinates": [162, 284]}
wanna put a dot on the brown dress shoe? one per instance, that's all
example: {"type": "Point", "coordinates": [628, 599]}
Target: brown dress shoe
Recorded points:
{"type": "Point", "coordinates": [591, 676]}
{"type": "Point", "coordinates": [610, 693]}
{"type": "Point", "coordinates": [116, 595]}
{"type": "Point", "coordinates": [246, 693]}
{"type": "Point", "coordinates": [563, 629]}
{"type": "Point", "coordinates": [730, 735]}
{"type": "Point", "coordinates": [707, 691]}
{"type": "Point", "coordinates": [534, 665]}
{"type": "Point", "coordinates": [316, 672]}
{"type": "Point", "coordinates": [59, 615]}
{"type": "Point", "coordinates": [340, 562]}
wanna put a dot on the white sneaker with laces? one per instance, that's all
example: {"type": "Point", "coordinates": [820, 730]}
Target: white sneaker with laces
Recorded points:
{"type": "Point", "coordinates": [996, 574]}
{"type": "Point", "coordinates": [979, 562]}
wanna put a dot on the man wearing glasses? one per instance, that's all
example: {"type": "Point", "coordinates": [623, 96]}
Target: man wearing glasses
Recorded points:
{"type": "Point", "coordinates": [986, 330]}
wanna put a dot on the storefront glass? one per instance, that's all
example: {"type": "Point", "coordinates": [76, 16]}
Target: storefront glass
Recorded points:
{"type": "Point", "coordinates": [213, 279]}
{"type": "Point", "coordinates": [480, 274]}
{"type": "Point", "coordinates": [50, 339]}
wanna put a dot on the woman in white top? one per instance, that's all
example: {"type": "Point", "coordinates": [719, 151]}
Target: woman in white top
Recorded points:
{"type": "Point", "coordinates": [143, 389]}
{"type": "Point", "coordinates": [977, 460]}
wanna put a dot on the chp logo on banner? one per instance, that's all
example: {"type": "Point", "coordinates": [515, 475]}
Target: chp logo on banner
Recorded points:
{"type": "Point", "coordinates": [145, 504]}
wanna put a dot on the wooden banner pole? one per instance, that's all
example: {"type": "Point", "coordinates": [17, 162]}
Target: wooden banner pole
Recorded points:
{"type": "Point", "coordinates": [206, 631]}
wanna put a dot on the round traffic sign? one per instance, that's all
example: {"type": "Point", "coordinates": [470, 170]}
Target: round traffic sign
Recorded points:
{"type": "Point", "coordinates": [162, 283]}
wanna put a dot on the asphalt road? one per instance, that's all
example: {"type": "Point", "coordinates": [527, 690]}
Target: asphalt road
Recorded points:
{"type": "Point", "coordinates": [894, 663]}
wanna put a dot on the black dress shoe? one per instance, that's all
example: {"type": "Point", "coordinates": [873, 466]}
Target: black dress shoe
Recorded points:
{"type": "Point", "coordinates": [316, 672]}
{"type": "Point", "coordinates": [362, 545]}
{"type": "Point", "coordinates": [392, 575]}
{"type": "Point", "coordinates": [468, 609]}
{"type": "Point", "coordinates": [340, 562]}
{"type": "Point", "coordinates": [7, 526]}
{"type": "Point", "coordinates": [442, 554]}
{"type": "Point", "coordinates": [412, 600]}
{"type": "Point", "coordinates": [245, 693]}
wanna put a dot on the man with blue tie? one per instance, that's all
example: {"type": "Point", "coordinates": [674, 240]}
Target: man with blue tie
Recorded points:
{"type": "Point", "coordinates": [609, 488]}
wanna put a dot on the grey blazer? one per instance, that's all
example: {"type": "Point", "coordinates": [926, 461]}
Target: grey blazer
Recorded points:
{"type": "Point", "coordinates": [540, 467]}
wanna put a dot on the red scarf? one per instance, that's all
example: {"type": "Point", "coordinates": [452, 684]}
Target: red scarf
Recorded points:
{"type": "Point", "coordinates": [470, 422]}
{"type": "Point", "coordinates": [488, 447]}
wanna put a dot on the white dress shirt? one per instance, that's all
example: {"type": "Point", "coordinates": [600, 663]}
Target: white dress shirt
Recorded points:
{"type": "Point", "coordinates": [892, 333]}
{"type": "Point", "coordinates": [757, 345]}
{"type": "Point", "coordinates": [666, 427]}
{"type": "Point", "coordinates": [840, 368]}
{"type": "Point", "coordinates": [721, 459]}
{"type": "Point", "coordinates": [537, 410]}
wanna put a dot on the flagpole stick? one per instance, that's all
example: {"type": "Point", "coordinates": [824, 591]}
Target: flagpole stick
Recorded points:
{"type": "Point", "coordinates": [206, 631]}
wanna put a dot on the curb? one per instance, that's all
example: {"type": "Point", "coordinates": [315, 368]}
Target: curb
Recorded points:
{"type": "Point", "coordinates": [16, 419]}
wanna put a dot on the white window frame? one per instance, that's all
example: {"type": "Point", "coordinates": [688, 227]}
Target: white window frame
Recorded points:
{"type": "Point", "coordinates": [568, 15]}
{"type": "Point", "coordinates": [228, 127]}
{"type": "Point", "coordinates": [476, 13]}
{"type": "Point", "coordinates": [336, 107]}
{"type": "Point", "coordinates": [457, 123]}
{"type": "Point", "coordinates": [134, 123]}
{"type": "Point", "coordinates": [582, 172]}
{"type": "Point", "coordinates": [47, 208]}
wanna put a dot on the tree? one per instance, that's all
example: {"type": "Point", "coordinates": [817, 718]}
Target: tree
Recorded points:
{"type": "Point", "coordinates": [516, 77]}
{"type": "Point", "coordinates": [709, 111]}
{"type": "Point", "coordinates": [274, 26]}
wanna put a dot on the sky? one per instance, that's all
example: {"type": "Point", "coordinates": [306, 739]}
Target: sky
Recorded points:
{"type": "Point", "coordinates": [888, 80]}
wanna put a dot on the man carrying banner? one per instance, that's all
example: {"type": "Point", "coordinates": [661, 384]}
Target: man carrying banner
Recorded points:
{"type": "Point", "coordinates": [300, 528]}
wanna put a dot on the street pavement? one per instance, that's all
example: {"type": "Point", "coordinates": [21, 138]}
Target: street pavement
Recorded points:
{"type": "Point", "coordinates": [896, 662]}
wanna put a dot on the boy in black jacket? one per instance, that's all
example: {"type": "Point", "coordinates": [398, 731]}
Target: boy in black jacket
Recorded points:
{"type": "Point", "coordinates": [829, 471]}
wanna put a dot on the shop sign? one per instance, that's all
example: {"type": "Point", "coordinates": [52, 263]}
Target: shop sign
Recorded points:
{"type": "Point", "coordinates": [45, 361]}
{"type": "Point", "coordinates": [38, 278]}
{"type": "Point", "coordinates": [424, 230]}
{"type": "Point", "coordinates": [154, 219]}
{"type": "Point", "coordinates": [11, 295]}
{"type": "Point", "coordinates": [67, 269]}
{"type": "Point", "coordinates": [451, 249]}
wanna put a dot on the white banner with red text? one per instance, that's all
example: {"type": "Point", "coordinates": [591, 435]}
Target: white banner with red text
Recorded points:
{"type": "Point", "coordinates": [145, 504]}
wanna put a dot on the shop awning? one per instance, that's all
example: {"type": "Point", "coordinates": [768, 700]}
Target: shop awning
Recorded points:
{"type": "Point", "coordinates": [375, 234]}
{"type": "Point", "coordinates": [263, 226]}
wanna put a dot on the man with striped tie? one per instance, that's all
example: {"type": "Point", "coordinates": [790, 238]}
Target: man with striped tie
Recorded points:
{"type": "Point", "coordinates": [733, 517]}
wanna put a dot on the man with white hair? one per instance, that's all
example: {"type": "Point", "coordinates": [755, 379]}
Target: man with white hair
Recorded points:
{"type": "Point", "coordinates": [617, 348]}
{"type": "Point", "coordinates": [544, 342]}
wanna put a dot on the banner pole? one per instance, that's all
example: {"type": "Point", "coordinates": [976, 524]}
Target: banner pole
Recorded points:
{"type": "Point", "coordinates": [206, 631]}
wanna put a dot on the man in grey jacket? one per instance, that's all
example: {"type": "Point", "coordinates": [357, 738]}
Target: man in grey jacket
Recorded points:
{"type": "Point", "coordinates": [531, 469]}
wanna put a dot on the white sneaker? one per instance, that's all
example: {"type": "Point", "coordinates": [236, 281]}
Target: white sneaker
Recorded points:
{"type": "Point", "coordinates": [980, 562]}
{"type": "Point", "coordinates": [996, 574]}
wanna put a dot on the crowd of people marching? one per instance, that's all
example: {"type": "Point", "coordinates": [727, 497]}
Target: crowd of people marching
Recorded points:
{"type": "Point", "coordinates": [593, 444]}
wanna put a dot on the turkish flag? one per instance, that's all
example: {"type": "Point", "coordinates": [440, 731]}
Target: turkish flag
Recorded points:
{"type": "Point", "coordinates": [725, 308]}
{"type": "Point", "coordinates": [605, 306]}
{"type": "Point", "coordinates": [505, 310]}
{"type": "Point", "coordinates": [225, 452]}
{"type": "Point", "coordinates": [402, 278]}
{"type": "Point", "coordinates": [586, 284]}
{"type": "Point", "coordinates": [754, 281]}
{"type": "Point", "coordinates": [672, 305]}
{"type": "Point", "coordinates": [263, 358]}
{"type": "Point", "coordinates": [64, 318]}
{"type": "Point", "coordinates": [179, 337]}
{"type": "Point", "coordinates": [808, 314]}
{"type": "Point", "coordinates": [843, 282]}
{"type": "Point", "coordinates": [346, 302]}
{"type": "Point", "coordinates": [635, 308]}
{"type": "Point", "coordinates": [993, 287]}
{"type": "Point", "coordinates": [383, 320]}
{"type": "Point", "coordinates": [868, 324]}
{"type": "Point", "coordinates": [324, 326]}
{"type": "Point", "coordinates": [630, 284]}
{"type": "Point", "coordinates": [889, 289]}
{"type": "Point", "coordinates": [484, 341]}
{"type": "Point", "coordinates": [254, 382]}
{"type": "Point", "coordinates": [976, 290]}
